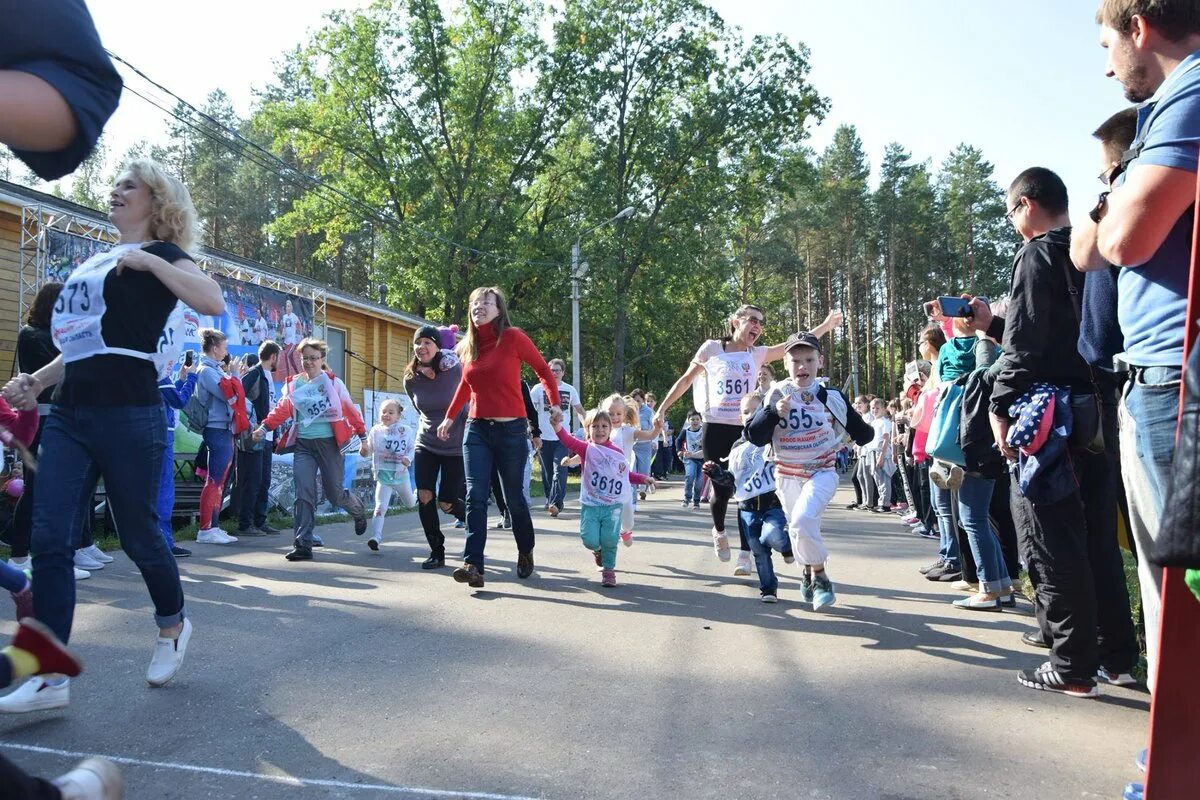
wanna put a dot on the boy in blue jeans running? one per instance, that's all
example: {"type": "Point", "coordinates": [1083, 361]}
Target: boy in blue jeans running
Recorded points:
{"type": "Point", "coordinates": [692, 456]}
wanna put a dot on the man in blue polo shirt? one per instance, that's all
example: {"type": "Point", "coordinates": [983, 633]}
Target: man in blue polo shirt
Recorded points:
{"type": "Point", "coordinates": [1144, 226]}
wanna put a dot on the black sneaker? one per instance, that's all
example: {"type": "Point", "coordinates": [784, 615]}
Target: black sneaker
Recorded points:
{"type": "Point", "coordinates": [946, 568]}
{"type": "Point", "coordinates": [524, 565]}
{"type": "Point", "coordinates": [267, 529]}
{"type": "Point", "coordinates": [434, 562]}
{"type": "Point", "coordinates": [300, 554]}
{"type": "Point", "coordinates": [360, 525]}
{"type": "Point", "coordinates": [507, 521]}
{"type": "Point", "coordinates": [1048, 679]}
{"type": "Point", "coordinates": [470, 575]}
{"type": "Point", "coordinates": [1034, 639]}
{"type": "Point", "coordinates": [949, 576]}
{"type": "Point", "coordinates": [768, 597]}
{"type": "Point", "coordinates": [851, 506]}
{"type": "Point", "coordinates": [180, 552]}
{"type": "Point", "coordinates": [250, 532]}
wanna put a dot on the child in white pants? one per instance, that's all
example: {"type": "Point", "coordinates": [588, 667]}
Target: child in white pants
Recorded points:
{"type": "Point", "coordinates": [391, 445]}
{"type": "Point", "coordinates": [807, 424]}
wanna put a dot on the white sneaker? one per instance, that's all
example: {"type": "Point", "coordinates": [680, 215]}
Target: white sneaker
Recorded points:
{"type": "Point", "coordinates": [214, 536]}
{"type": "Point", "coordinates": [789, 559]}
{"type": "Point", "coordinates": [82, 574]}
{"type": "Point", "coordinates": [92, 779]}
{"type": "Point", "coordinates": [98, 554]}
{"type": "Point", "coordinates": [36, 694]}
{"type": "Point", "coordinates": [743, 564]}
{"type": "Point", "coordinates": [720, 544]}
{"type": "Point", "coordinates": [21, 563]}
{"type": "Point", "coordinates": [85, 561]}
{"type": "Point", "coordinates": [168, 656]}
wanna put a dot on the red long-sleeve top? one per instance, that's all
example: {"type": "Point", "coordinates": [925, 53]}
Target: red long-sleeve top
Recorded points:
{"type": "Point", "coordinates": [492, 382]}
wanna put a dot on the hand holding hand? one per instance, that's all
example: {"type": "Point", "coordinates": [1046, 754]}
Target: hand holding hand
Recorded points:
{"type": "Point", "coordinates": [21, 392]}
{"type": "Point", "coordinates": [258, 434]}
{"type": "Point", "coordinates": [556, 418]}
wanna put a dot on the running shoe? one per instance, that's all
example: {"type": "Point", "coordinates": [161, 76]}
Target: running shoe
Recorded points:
{"type": "Point", "coordinates": [180, 552]}
{"type": "Point", "coordinates": [685, 504]}
{"type": "Point", "coordinates": [955, 479]}
{"type": "Point", "coordinates": [37, 694]}
{"type": "Point", "coordinates": [806, 586]}
{"type": "Point", "coordinates": [696, 504]}
{"type": "Point", "coordinates": [608, 578]}
{"type": "Point", "coordinates": [553, 509]}
{"type": "Point", "coordinates": [1047, 679]}
{"type": "Point", "coordinates": [822, 588]}
{"type": "Point", "coordinates": [911, 519]}
{"type": "Point", "coordinates": [98, 554]}
{"type": "Point", "coordinates": [720, 544]}
{"type": "Point", "coordinates": [744, 563]}
{"type": "Point", "coordinates": [788, 558]}
{"type": "Point", "coordinates": [299, 553]}
{"type": "Point", "coordinates": [82, 574]}
{"type": "Point", "coordinates": [214, 536]}
{"type": "Point", "coordinates": [85, 561]}
{"type": "Point", "coordinates": [597, 556]}
{"type": "Point", "coordinates": [373, 543]}
{"type": "Point", "coordinates": [851, 506]}
{"type": "Point", "coordinates": [627, 538]}
{"type": "Point", "coordinates": [768, 597]}
{"type": "Point", "coordinates": [1116, 678]}
{"type": "Point", "coordinates": [925, 570]}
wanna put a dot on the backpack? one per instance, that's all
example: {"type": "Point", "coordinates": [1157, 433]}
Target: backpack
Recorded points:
{"type": "Point", "coordinates": [195, 414]}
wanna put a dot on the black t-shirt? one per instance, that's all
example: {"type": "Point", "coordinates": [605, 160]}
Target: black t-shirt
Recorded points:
{"type": "Point", "coordinates": [137, 306]}
{"type": "Point", "coordinates": [35, 349]}
{"type": "Point", "coordinates": [57, 41]}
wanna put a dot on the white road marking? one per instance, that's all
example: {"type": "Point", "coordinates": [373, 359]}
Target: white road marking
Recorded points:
{"type": "Point", "coordinates": [284, 779]}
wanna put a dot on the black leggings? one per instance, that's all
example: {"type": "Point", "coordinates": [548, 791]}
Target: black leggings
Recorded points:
{"type": "Point", "coordinates": [716, 440]}
{"type": "Point", "coordinates": [451, 489]}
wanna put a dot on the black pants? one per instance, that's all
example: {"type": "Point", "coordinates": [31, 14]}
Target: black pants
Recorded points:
{"type": "Point", "coordinates": [1070, 547]}
{"type": "Point", "coordinates": [445, 477]}
{"type": "Point", "coordinates": [250, 492]}
{"type": "Point", "coordinates": [858, 489]}
{"type": "Point", "coordinates": [925, 511]}
{"type": "Point", "coordinates": [716, 440]}
{"type": "Point", "coordinates": [16, 784]}
{"type": "Point", "coordinates": [1110, 385]}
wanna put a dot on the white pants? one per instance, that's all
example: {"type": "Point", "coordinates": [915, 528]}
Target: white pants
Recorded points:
{"type": "Point", "coordinates": [804, 502]}
{"type": "Point", "coordinates": [627, 516]}
{"type": "Point", "coordinates": [383, 498]}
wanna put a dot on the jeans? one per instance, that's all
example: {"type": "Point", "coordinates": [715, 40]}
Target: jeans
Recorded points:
{"type": "Point", "coordinates": [766, 531]}
{"type": "Point", "coordinates": [941, 500]}
{"type": "Point", "coordinates": [505, 445]}
{"type": "Point", "coordinates": [253, 485]}
{"type": "Point", "coordinates": [692, 478]}
{"type": "Point", "coordinates": [442, 476]}
{"type": "Point", "coordinates": [124, 445]}
{"type": "Point", "coordinates": [220, 456]}
{"type": "Point", "coordinates": [643, 452]}
{"type": "Point", "coordinates": [600, 529]}
{"type": "Point", "coordinates": [554, 474]}
{"type": "Point", "coordinates": [311, 456]}
{"type": "Point", "coordinates": [974, 499]}
{"type": "Point", "coordinates": [1148, 417]}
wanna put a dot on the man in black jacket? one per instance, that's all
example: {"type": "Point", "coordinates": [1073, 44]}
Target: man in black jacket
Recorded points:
{"type": "Point", "coordinates": [1070, 546]}
{"type": "Point", "coordinates": [254, 466]}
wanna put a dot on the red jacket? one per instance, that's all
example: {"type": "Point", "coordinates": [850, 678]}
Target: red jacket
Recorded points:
{"type": "Point", "coordinates": [350, 423]}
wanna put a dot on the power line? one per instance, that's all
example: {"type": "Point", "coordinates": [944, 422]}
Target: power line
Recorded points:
{"type": "Point", "coordinates": [265, 159]}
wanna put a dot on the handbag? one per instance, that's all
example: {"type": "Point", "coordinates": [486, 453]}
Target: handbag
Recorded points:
{"type": "Point", "coordinates": [1087, 432]}
{"type": "Point", "coordinates": [1178, 542]}
{"type": "Point", "coordinates": [943, 443]}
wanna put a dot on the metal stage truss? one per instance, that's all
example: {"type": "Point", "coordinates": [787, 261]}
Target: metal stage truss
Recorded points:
{"type": "Point", "coordinates": [39, 219]}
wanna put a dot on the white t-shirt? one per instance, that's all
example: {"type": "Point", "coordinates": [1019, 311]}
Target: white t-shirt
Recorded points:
{"type": "Point", "coordinates": [729, 375]}
{"type": "Point", "coordinates": [567, 400]}
{"type": "Point", "coordinates": [260, 330]}
{"type": "Point", "coordinates": [291, 328]}
{"type": "Point", "coordinates": [807, 440]}
{"type": "Point", "coordinates": [622, 437]}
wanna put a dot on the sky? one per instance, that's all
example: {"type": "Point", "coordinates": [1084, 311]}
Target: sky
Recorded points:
{"type": "Point", "coordinates": [1022, 80]}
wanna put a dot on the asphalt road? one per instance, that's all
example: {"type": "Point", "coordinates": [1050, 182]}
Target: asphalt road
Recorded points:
{"type": "Point", "coordinates": [361, 676]}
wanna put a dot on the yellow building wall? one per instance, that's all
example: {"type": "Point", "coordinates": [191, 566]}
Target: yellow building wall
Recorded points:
{"type": "Point", "coordinates": [10, 286]}
{"type": "Point", "coordinates": [383, 342]}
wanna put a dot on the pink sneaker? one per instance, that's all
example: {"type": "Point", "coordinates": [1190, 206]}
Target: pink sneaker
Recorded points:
{"type": "Point", "coordinates": [627, 538]}
{"type": "Point", "coordinates": [720, 544]}
{"type": "Point", "coordinates": [596, 555]}
{"type": "Point", "coordinates": [608, 577]}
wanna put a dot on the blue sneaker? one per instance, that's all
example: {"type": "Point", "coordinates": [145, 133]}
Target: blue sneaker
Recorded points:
{"type": "Point", "coordinates": [1143, 756]}
{"type": "Point", "coordinates": [806, 587]}
{"type": "Point", "coordinates": [1134, 791]}
{"type": "Point", "coordinates": [823, 594]}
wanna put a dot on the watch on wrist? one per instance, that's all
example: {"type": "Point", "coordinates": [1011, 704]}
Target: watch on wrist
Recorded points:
{"type": "Point", "coordinates": [1097, 213]}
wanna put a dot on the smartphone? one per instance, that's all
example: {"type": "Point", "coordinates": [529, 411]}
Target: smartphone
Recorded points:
{"type": "Point", "coordinates": [228, 358]}
{"type": "Point", "coordinates": [187, 358]}
{"type": "Point", "coordinates": [954, 306]}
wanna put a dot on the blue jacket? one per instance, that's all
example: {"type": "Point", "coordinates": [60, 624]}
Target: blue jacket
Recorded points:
{"type": "Point", "coordinates": [175, 395]}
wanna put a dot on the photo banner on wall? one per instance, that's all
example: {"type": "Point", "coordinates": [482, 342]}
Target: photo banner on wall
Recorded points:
{"type": "Point", "coordinates": [253, 313]}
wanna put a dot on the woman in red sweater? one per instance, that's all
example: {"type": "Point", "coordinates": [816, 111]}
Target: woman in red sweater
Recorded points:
{"type": "Point", "coordinates": [497, 430]}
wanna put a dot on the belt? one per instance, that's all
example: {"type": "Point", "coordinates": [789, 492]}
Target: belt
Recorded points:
{"type": "Point", "coordinates": [760, 503]}
{"type": "Point", "coordinates": [1156, 374]}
